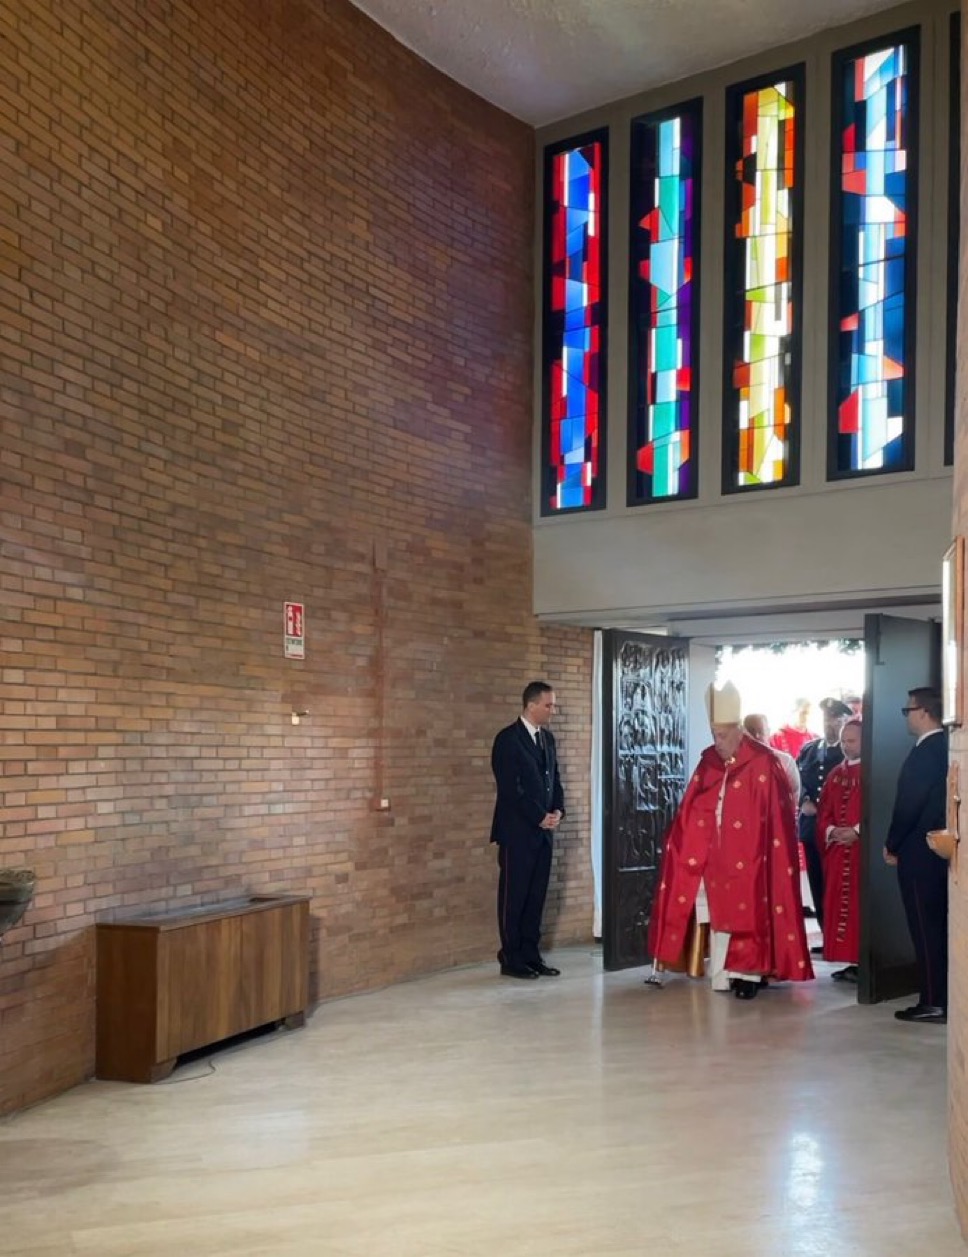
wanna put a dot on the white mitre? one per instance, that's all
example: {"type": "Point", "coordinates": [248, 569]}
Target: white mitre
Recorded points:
{"type": "Point", "coordinates": [724, 704]}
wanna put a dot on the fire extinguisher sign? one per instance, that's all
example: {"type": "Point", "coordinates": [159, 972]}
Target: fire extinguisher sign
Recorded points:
{"type": "Point", "coordinates": [295, 630]}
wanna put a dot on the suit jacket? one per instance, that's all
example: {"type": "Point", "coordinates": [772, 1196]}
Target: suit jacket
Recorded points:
{"type": "Point", "coordinates": [528, 786]}
{"type": "Point", "coordinates": [921, 800]}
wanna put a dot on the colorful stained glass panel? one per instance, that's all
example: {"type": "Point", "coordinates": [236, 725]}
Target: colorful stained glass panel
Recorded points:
{"type": "Point", "coordinates": [663, 325]}
{"type": "Point", "coordinates": [762, 334]}
{"type": "Point", "coordinates": [574, 326]}
{"type": "Point", "coordinates": [872, 292]}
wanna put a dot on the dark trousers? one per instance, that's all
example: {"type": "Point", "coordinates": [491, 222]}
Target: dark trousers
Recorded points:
{"type": "Point", "coordinates": [525, 867]}
{"type": "Point", "coordinates": [811, 855]}
{"type": "Point", "coordinates": [923, 879]}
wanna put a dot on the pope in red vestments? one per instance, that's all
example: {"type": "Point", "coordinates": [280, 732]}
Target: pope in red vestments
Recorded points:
{"type": "Point", "coordinates": [838, 831]}
{"type": "Point", "coordinates": [734, 837]}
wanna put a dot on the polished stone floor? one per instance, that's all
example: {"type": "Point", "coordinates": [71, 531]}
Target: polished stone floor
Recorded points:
{"type": "Point", "coordinates": [464, 1114]}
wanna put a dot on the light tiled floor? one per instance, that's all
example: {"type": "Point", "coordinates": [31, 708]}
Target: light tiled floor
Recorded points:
{"type": "Point", "coordinates": [463, 1114]}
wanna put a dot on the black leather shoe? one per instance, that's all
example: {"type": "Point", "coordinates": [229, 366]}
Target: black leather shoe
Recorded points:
{"type": "Point", "coordinates": [847, 974]}
{"type": "Point", "coordinates": [545, 971]}
{"type": "Point", "coordinates": [929, 1013]}
{"type": "Point", "coordinates": [744, 989]}
{"type": "Point", "coordinates": [816, 951]}
{"type": "Point", "coordinates": [517, 971]}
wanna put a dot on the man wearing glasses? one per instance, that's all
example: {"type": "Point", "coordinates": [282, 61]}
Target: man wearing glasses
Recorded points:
{"type": "Point", "coordinates": [920, 806]}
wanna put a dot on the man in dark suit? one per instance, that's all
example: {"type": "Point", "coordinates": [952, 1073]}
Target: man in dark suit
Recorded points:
{"type": "Point", "coordinates": [529, 807]}
{"type": "Point", "coordinates": [920, 805]}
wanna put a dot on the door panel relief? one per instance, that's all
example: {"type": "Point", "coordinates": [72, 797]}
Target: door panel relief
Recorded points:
{"type": "Point", "coordinates": [645, 775]}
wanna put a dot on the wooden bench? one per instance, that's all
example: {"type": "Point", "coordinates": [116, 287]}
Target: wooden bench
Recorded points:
{"type": "Point", "coordinates": [172, 982]}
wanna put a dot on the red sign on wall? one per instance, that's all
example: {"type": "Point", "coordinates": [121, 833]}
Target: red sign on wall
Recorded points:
{"type": "Point", "coordinates": [295, 630]}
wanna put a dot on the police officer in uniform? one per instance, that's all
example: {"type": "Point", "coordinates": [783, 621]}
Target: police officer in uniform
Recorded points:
{"type": "Point", "coordinates": [815, 762]}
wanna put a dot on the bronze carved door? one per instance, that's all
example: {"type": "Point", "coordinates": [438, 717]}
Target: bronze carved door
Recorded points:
{"type": "Point", "coordinates": [644, 774]}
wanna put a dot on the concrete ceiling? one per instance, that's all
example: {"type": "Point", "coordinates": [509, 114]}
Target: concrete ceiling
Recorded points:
{"type": "Point", "coordinates": [542, 60]}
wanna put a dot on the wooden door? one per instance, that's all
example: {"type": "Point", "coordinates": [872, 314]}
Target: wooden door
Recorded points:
{"type": "Point", "coordinates": [275, 963]}
{"type": "Point", "coordinates": [199, 988]}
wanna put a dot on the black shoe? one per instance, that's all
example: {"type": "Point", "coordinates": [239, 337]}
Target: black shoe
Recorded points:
{"type": "Point", "coordinates": [930, 1013]}
{"type": "Point", "coordinates": [744, 989]}
{"type": "Point", "coordinates": [817, 951]}
{"type": "Point", "coordinates": [847, 974]}
{"type": "Point", "coordinates": [544, 971]}
{"type": "Point", "coordinates": [517, 971]}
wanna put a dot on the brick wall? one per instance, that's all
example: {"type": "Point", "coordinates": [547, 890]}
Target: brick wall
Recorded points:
{"type": "Point", "coordinates": [265, 281]}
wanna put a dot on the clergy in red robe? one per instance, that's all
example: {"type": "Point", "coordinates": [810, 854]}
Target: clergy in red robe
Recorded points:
{"type": "Point", "coordinates": [793, 737]}
{"type": "Point", "coordinates": [730, 860]}
{"type": "Point", "coordinates": [838, 831]}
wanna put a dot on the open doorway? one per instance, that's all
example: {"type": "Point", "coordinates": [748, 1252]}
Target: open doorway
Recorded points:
{"type": "Point", "coordinates": [789, 679]}
{"type": "Point", "coordinates": [646, 759]}
{"type": "Point", "coordinates": [654, 728]}
{"type": "Point", "coordinates": [785, 684]}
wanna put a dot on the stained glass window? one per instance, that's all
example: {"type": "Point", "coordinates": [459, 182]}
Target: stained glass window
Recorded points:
{"type": "Point", "coordinates": [663, 323]}
{"type": "Point", "coordinates": [873, 258]}
{"type": "Point", "coordinates": [764, 175]}
{"type": "Point", "coordinates": [954, 232]}
{"type": "Point", "coordinates": [574, 325]}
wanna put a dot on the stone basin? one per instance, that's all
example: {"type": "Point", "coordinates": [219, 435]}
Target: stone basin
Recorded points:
{"type": "Point", "coordinates": [16, 891]}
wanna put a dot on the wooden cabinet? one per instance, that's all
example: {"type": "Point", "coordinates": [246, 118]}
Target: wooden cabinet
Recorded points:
{"type": "Point", "coordinates": [168, 983]}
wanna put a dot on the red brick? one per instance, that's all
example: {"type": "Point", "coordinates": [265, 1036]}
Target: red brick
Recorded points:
{"type": "Point", "coordinates": [267, 295]}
